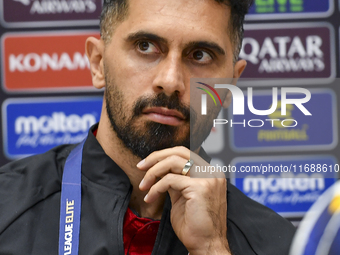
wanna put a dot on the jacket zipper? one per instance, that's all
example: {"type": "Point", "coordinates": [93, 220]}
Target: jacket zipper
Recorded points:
{"type": "Point", "coordinates": [121, 221]}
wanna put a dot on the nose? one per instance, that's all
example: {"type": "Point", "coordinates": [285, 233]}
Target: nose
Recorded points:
{"type": "Point", "coordinates": [170, 77]}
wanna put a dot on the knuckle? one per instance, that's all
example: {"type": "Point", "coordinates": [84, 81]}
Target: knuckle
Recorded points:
{"type": "Point", "coordinates": [222, 182]}
{"type": "Point", "coordinates": [152, 190]}
{"type": "Point", "coordinates": [150, 175]}
{"type": "Point", "coordinates": [168, 177]}
{"type": "Point", "coordinates": [153, 154]}
{"type": "Point", "coordinates": [205, 186]}
{"type": "Point", "coordinates": [173, 158]}
{"type": "Point", "coordinates": [181, 148]}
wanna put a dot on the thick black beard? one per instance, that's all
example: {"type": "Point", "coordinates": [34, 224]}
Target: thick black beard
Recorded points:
{"type": "Point", "coordinates": [153, 136]}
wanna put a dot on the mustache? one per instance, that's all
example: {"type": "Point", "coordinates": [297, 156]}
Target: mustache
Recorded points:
{"type": "Point", "coordinates": [162, 100]}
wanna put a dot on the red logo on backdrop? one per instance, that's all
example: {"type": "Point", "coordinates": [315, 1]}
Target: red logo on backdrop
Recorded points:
{"type": "Point", "coordinates": [45, 61]}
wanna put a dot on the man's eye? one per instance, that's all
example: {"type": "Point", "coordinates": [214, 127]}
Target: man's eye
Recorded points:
{"type": "Point", "coordinates": [201, 56]}
{"type": "Point", "coordinates": [147, 47]}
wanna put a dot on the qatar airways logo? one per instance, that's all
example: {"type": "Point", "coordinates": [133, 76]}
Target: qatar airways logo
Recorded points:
{"type": "Point", "coordinates": [24, 2]}
{"type": "Point", "coordinates": [46, 13]}
{"type": "Point", "coordinates": [59, 6]}
{"type": "Point", "coordinates": [238, 104]}
{"type": "Point", "coordinates": [286, 54]}
{"type": "Point", "coordinates": [304, 52]}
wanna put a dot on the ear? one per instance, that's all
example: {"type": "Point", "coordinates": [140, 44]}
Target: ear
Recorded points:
{"type": "Point", "coordinates": [94, 50]}
{"type": "Point", "coordinates": [238, 70]}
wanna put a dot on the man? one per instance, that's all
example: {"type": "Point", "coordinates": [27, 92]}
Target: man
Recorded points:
{"type": "Point", "coordinates": [136, 197]}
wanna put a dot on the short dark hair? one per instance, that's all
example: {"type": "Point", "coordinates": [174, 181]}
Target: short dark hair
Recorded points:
{"type": "Point", "coordinates": [115, 11]}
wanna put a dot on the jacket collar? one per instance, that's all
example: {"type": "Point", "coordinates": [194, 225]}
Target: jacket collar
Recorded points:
{"type": "Point", "coordinates": [100, 168]}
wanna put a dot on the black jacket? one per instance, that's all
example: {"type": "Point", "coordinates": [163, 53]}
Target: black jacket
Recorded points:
{"type": "Point", "coordinates": [30, 203]}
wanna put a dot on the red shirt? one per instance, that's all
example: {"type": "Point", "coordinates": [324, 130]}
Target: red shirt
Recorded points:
{"type": "Point", "coordinates": [139, 234]}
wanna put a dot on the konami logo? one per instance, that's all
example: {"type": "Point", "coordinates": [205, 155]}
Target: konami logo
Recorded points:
{"type": "Point", "coordinates": [33, 62]}
{"type": "Point", "coordinates": [46, 61]}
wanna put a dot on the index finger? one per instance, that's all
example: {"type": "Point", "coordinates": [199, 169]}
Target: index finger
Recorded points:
{"type": "Point", "coordinates": [157, 156]}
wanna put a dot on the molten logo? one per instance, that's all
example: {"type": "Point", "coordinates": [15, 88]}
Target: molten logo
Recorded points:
{"type": "Point", "coordinates": [283, 182]}
{"type": "Point", "coordinates": [58, 122]}
{"type": "Point", "coordinates": [45, 61]}
{"type": "Point", "coordinates": [35, 125]}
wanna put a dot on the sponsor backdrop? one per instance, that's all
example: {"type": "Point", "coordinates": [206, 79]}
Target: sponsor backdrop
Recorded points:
{"type": "Point", "coordinates": [47, 99]}
{"type": "Point", "coordinates": [287, 43]}
{"type": "Point", "coordinates": [46, 93]}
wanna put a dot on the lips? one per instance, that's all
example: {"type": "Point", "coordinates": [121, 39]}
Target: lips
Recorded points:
{"type": "Point", "coordinates": [164, 116]}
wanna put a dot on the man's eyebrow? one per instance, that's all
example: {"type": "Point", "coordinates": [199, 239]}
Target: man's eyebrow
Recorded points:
{"type": "Point", "coordinates": [206, 44]}
{"type": "Point", "coordinates": [145, 35]}
{"type": "Point", "coordinates": [153, 37]}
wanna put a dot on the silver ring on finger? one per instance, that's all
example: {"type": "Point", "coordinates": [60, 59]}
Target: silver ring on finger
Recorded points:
{"type": "Point", "coordinates": [187, 167]}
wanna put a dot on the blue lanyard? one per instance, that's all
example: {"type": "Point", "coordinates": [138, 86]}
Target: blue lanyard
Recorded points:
{"type": "Point", "coordinates": [70, 203]}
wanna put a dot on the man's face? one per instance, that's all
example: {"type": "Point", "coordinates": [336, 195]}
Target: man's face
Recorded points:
{"type": "Point", "coordinates": [148, 66]}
